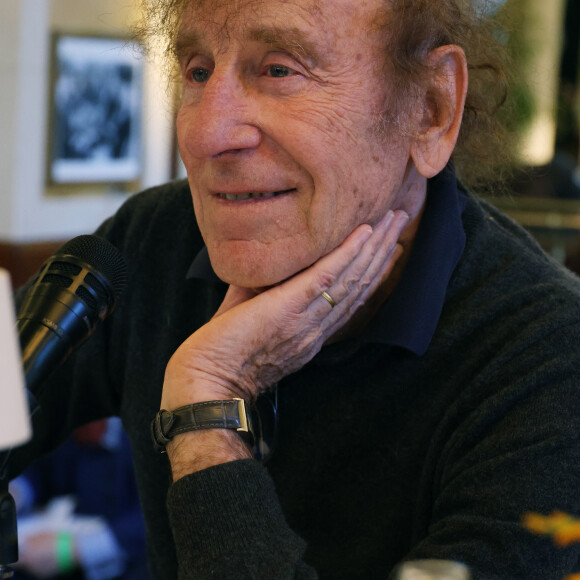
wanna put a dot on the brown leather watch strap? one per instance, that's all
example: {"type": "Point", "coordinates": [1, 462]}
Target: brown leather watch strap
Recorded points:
{"type": "Point", "coordinates": [228, 414]}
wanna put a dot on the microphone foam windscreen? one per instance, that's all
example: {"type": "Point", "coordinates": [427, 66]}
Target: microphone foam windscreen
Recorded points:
{"type": "Point", "coordinates": [102, 256]}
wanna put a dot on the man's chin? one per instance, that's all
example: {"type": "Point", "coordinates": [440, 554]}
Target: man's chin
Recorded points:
{"type": "Point", "coordinates": [254, 280]}
{"type": "Point", "coordinates": [258, 266]}
{"type": "Point", "coordinates": [257, 279]}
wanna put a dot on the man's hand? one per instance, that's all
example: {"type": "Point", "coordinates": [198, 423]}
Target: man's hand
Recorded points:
{"type": "Point", "coordinates": [254, 340]}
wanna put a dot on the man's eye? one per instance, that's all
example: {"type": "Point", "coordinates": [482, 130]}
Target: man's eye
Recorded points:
{"type": "Point", "coordinates": [199, 75]}
{"type": "Point", "coordinates": [279, 71]}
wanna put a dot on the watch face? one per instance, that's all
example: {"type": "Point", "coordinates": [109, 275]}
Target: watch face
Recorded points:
{"type": "Point", "coordinates": [265, 424]}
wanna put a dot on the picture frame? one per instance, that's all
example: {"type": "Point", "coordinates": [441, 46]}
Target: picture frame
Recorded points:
{"type": "Point", "coordinates": [96, 109]}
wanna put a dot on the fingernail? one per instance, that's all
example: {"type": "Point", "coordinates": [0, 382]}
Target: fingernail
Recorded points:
{"type": "Point", "coordinates": [366, 232]}
{"type": "Point", "coordinates": [387, 219]}
{"type": "Point", "coordinates": [402, 219]}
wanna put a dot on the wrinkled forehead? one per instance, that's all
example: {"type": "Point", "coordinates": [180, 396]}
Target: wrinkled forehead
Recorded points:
{"type": "Point", "coordinates": [233, 12]}
{"type": "Point", "coordinates": [326, 20]}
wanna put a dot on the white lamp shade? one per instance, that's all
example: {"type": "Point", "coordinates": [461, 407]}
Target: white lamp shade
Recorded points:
{"type": "Point", "coordinates": [14, 416]}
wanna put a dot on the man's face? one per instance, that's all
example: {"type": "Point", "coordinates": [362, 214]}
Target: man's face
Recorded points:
{"type": "Point", "coordinates": [278, 130]}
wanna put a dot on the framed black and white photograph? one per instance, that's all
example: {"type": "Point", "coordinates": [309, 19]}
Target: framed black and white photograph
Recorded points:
{"type": "Point", "coordinates": [96, 109]}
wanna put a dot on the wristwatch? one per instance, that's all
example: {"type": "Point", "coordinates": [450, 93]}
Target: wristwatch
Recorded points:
{"type": "Point", "coordinates": [228, 414]}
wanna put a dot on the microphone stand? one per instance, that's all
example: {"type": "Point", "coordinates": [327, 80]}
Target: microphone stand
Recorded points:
{"type": "Point", "coordinates": [8, 532]}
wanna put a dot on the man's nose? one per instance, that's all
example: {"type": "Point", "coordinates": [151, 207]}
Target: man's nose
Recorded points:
{"type": "Point", "coordinates": [223, 120]}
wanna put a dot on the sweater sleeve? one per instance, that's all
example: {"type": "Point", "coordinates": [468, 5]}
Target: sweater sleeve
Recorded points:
{"type": "Point", "coordinates": [227, 523]}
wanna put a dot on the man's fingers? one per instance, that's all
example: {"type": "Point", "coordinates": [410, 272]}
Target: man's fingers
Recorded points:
{"type": "Point", "coordinates": [359, 246]}
{"type": "Point", "coordinates": [363, 275]}
{"type": "Point", "coordinates": [338, 317]}
{"type": "Point", "coordinates": [372, 265]}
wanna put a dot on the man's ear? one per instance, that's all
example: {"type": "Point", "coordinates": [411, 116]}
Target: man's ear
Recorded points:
{"type": "Point", "coordinates": [438, 127]}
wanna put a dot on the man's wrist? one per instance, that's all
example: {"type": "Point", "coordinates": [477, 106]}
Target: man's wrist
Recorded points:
{"type": "Point", "coordinates": [196, 450]}
{"type": "Point", "coordinates": [217, 414]}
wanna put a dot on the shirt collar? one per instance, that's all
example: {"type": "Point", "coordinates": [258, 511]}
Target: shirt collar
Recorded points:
{"type": "Point", "coordinates": [410, 315]}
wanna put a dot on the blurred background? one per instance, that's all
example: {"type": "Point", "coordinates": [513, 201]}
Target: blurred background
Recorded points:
{"type": "Point", "coordinates": [85, 121]}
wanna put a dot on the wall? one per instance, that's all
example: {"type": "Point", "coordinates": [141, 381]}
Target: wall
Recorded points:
{"type": "Point", "coordinates": [9, 38]}
{"type": "Point", "coordinates": [27, 213]}
{"type": "Point", "coordinates": [542, 30]}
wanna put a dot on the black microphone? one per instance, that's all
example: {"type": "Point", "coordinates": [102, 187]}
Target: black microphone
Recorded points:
{"type": "Point", "coordinates": [74, 290]}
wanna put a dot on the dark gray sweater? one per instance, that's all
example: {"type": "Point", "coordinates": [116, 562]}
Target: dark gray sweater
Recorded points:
{"type": "Point", "coordinates": [383, 455]}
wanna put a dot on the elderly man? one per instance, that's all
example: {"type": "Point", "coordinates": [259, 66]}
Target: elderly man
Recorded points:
{"type": "Point", "coordinates": [408, 356]}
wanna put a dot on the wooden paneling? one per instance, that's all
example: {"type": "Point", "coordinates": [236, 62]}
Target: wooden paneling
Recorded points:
{"type": "Point", "coordinates": [23, 260]}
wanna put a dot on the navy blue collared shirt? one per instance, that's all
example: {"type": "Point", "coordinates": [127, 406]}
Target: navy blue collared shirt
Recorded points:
{"type": "Point", "coordinates": [409, 316]}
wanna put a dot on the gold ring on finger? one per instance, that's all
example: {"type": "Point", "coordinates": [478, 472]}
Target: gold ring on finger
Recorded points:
{"type": "Point", "coordinates": [329, 299]}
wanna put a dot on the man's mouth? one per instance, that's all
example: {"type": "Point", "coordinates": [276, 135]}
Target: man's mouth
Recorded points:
{"type": "Point", "coordinates": [252, 195]}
